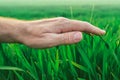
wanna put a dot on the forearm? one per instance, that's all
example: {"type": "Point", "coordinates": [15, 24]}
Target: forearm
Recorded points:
{"type": "Point", "coordinates": [9, 29]}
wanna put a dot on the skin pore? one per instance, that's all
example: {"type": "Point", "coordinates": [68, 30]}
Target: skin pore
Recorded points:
{"type": "Point", "coordinates": [45, 33]}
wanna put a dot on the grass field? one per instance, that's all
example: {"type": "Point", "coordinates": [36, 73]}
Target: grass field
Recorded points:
{"type": "Point", "coordinates": [94, 58]}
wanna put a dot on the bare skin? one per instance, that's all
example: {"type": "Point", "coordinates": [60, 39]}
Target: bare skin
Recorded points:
{"type": "Point", "coordinates": [45, 33]}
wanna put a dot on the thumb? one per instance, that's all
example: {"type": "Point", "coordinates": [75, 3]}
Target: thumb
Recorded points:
{"type": "Point", "coordinates": [58, 39]}
{"type": "Point", "coordinates": [69, 37]}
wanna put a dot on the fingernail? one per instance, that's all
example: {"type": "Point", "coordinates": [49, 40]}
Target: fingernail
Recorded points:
{"type": "Point", "coordinates": [104, 31]}
{"type": "Point", "coordinates": [77, 37]}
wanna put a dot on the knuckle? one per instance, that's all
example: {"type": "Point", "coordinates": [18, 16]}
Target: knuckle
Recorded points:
{"type": "Point", "coordinates": [62, 18]}
{"type": "Point", "coordinates": [86, 23]}
{"type": "Point", "coordinates": [63, 40]}
{"type": "Point", "coordinates": [66, 38]}
{"type": "Point", "coordinates": [63, 22]}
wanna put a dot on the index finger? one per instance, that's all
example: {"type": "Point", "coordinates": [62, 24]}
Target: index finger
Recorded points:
{"type": "Point", "coordinates": [86, 27]}
{"type": "Point", "coordinates": [82, 26]}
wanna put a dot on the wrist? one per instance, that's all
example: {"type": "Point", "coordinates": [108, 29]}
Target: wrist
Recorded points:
{"type": "Point", "coordinates": [18, 32]}
{"type": "Point", "coordinates": [10, 30]}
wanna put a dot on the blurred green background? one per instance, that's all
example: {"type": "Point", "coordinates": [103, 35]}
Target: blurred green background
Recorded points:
{"type": "Point", "coordinates": [58, 2]}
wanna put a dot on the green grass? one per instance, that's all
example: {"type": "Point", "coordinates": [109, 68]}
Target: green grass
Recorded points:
{"type": "Point", "coordinates": [94, 58]}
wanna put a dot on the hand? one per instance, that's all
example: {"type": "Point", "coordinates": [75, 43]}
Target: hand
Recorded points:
{"type": "Point", "coordinates": [56, 31]}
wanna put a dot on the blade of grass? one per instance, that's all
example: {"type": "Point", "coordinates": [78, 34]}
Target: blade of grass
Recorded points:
{"type": "Point", "coordinates": [11, 68]}
{"type": "Point", "coordinates": [79, 66]}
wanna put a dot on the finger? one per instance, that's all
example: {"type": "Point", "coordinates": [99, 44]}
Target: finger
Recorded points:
{"type": "Point", "coordinates": [69, 38]}
{"type": "Point", "coordinates": [75, 25]}
{"type": "Point", "coordinates": [88, 28]}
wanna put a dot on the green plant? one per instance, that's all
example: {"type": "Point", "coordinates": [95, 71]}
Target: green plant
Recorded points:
{"type": "Point", "coordinates": [94, 58]}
